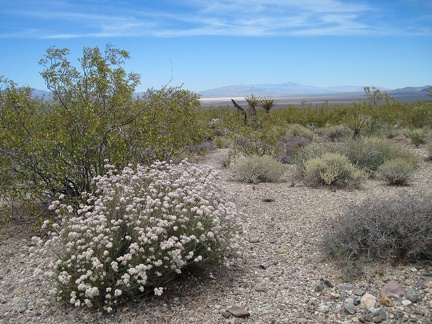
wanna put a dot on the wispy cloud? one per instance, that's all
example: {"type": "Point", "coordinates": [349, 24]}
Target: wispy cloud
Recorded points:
{"type": "Point", "coordinates": [74, 19]}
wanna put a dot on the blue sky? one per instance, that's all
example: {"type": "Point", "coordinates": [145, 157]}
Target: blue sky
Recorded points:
{"type": "Point", "coordinates": [207, 44]}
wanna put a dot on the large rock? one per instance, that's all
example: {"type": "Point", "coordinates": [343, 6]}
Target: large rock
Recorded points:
{"type": "Point", "coordinates": [392, 289]}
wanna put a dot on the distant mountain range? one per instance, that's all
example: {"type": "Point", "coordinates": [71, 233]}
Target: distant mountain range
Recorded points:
{"type": "Point", "coordinates": [293, 89]}
{"type": "Point", "coordinates": [281, 90]}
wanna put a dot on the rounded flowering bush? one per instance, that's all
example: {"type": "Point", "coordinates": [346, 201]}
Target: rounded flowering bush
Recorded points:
{"type": "Point", "coordinates": [139, 229]}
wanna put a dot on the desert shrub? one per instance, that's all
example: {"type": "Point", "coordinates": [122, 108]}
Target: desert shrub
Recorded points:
{"type": "Point", "coordinates": [59, 146]}
{"type": "Point", "coordinates": [332, 169]}
{"type": "Point", "coordinates": [248, 141]}
{"type": "Point", "coordinates": [203, 147]}
{"type": "Point", "coordinates": [254, 169]}
{"type": "Point", "coordinates": [141, 228]}
{"type": "Point", "coordinates": [396, 172]}
{"type": "Point", "coordinates": [419, 136]}
{"type": "Point", "coordinates": [314, 150]}
{"type": "Point", "coordinates": [382, 229]}
{"type": "Point", "coordinates": [370, 153]}
{"type": "Point", "coordinates": [334, 132]}
{"type": "Point", "coordinates": [429, 150]}
{"type": "Point", "coordinates": [299, 130]}
{"type": "Point", "coordinates": [289, 146]}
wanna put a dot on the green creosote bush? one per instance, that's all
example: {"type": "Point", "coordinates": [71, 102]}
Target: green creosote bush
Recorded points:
{"type": "Point", "coordinates": [248, 142]}
{"type": "Point", "coordinates": [299, 130]}
{"type": "Point", "coordinates": [397, 229]}
{"type": "Point", "coordinates": [58, 146]}
{"type": "Point", "coordinates": [254, 169]}
{"type": "Point", "coordinates": [334, 133]}
{"type": "Point", "coordinates": [332, 169]}
{"type": "Point", "coordinates": [140, 229]}
{"type": "Point", "coordinates": [419, 136]}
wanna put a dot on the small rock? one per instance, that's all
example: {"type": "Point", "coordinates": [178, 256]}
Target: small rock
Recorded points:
{"type": "Point", "coordinates": [359, 292]}
{"type": "Point", "coordinates": [254, 239]}
{"type": "Point", "coordinates": [226, 314]}
{"type": "Point", "coordinates": [368, 301]}
{"type": "Point", "coordinates": [323, 308]}
{"type": "Point", "coordinates": [392, 289]}
{"type": "Point", "coordinates": [347, 287]}
{"type": "Point", "coordinates": [319, 286]}
{"type": "Point", "coordinates": [268, 199]}
{"type": "Point", "coordinates": [334, 295]}
{"type": "Point", "coordinates": [349, 306]}
{"type": "Point", "coordinates": [377, 319]}
{"type": "Point", "coordinates": [412, 295]}
{"type": "Point", "coordinates": [238, 311]}
{"type": "Point", "coordinates": [328, 283]}
{"type": "Point", "coordinates": [384, 300]}
{"type": "Point", "coordinates": [406, 302]}
{"type": "Point", "coordinates": [381, 312]}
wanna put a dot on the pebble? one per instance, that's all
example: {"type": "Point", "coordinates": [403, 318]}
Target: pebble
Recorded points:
{"type": "Point", "coordinates": [412, 295]}
{"type": "Point", "coordinates": [238, 311]}
{"type": "Point", "coordinates": [368, 301]}
{"type": "Point", "coordinates": [349, 306]}
{"type": "Point", "coordinates": [406, 302]}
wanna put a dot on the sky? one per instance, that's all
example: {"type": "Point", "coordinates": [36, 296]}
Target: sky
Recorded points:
{"type": "Point", "coordinates": [202, 44]}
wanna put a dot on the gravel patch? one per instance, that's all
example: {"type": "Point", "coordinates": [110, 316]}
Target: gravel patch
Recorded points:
{"type": "Point", "coordinates": [283, 278]}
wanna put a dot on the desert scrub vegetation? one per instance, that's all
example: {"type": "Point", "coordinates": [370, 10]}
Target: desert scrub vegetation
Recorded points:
{"type": "Point", "coordinates": [332, 169]}
{"type": "Point", "coordinates": [255, 168]}
{"type": "Point", "coordinates": [363, 153]}
{"type": "Point", "coordinates": [369, 153]}
{"type": "Point", "coordinates": [419, 136]}
{"type": "Point", "coordinates": [289, 146]}
{"type": "Point", "coordinates": [141, 227]}
{"type": "Point", "coordinates": [57, 147]}
{"type": "Point", "coordinates": [396, 171]}
{"type": "Point", "coordinates": [382, 229]}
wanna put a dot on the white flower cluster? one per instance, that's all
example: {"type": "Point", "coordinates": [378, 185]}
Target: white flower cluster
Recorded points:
{"type": "Point", "coordinates": [139, 229]}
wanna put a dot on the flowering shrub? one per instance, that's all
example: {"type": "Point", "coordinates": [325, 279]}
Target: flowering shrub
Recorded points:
{"type": "Point", "coordinates": [139, 230]}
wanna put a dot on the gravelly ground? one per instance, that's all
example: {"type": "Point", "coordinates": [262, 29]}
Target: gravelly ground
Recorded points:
{"type": "Point", "coordinates": [275, 281]}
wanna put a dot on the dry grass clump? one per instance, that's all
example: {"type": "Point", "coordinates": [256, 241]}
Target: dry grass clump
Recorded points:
{"type": "Point", "coordinates": [398, 228]}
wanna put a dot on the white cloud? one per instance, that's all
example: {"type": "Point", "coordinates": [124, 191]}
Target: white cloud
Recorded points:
{"type": "Point", "coordinates": [200, 17]}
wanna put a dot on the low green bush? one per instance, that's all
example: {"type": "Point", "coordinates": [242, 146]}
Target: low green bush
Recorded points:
{"type": "Point", "coordinates": [334, 133]}
{"type": "Point", "coordinates": [397, 228]}
{"type": "Point", "coordinates": [419, 136]}
{"type": "Point", "coordinates": [254, 169]}
{"type": "Point", "coordinates": [396, 172]}
{"type": "Point", "coordinates": [332, 169]}
{"type": "Point", "coordinates": [371, 152]}
{"type": "Point", "coordinates": [299, 130]}
{"type": "Point", "coordinates": [141, 228]}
